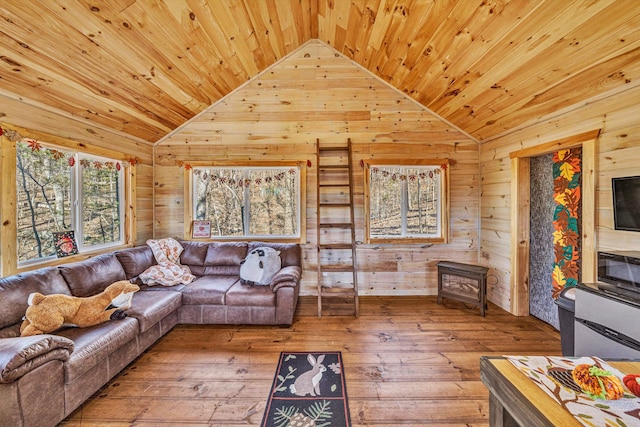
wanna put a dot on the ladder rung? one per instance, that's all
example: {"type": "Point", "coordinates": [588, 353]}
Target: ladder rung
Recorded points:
{"type": "Point", "coordinates": [335, 205]}
{"type": "Point", "coordinates": [323, 167]}
{"type": "Point", "coordinates": [336, 246]}
{"type": "Point", "coordinates": [336, 268]}
{"type": "Point", "coordinates": [333, 148]}
{"type": "Point", "coordinates": [336, 225]}
{"type": "Point", "coordinates": [333, 185]}
{"type": "Point", "coordinates": [334, 292]}
{"type": "Point", "coordinates": [338, 173]}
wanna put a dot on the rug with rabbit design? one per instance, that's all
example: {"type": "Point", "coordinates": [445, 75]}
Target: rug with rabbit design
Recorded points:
{"type": "Point", "coordinates": [308, 390]}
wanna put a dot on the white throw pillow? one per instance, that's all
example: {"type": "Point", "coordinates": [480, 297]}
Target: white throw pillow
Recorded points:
{"type": "Point", "coordinates": [260, 265]}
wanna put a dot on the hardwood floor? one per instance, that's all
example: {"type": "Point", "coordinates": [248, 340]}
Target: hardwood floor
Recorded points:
{"type": "Point", "coordinates": [408, 361]}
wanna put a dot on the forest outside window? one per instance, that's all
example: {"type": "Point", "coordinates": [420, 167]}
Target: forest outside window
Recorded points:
{"type": "Point", "coordinates": [60, 191]}
{"type": "Point", "coordinates": [406, 202]}
{"type": "Point", "coordinates": [249, 202]}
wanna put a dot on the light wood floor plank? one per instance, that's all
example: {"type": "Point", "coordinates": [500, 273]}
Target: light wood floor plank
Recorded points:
{"type": "Point", "coordinates": [408, 362]}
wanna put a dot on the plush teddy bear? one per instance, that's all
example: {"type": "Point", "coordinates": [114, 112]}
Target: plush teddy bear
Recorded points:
{"type": "Point", "coordinates": [47, 313]}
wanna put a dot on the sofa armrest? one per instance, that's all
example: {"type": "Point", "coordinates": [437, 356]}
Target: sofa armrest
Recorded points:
{"type": "Point", "coordinates": [287, 276]}
{"type": "Point", "coordinates": [23, 354]}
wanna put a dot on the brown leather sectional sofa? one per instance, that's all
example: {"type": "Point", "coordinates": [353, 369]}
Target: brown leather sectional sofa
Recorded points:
{"type": "Point", "coordinates": [46, 377]}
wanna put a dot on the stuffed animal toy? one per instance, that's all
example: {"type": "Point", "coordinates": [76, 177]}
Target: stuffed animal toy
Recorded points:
{"type": "Point", "coordinates": [48, 313]}
{"type": "Point", "coordinates": [260, 265]}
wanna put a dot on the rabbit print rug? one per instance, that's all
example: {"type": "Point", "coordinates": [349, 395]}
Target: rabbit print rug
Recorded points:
{"type": "Point", "coordinates": [309, 389]}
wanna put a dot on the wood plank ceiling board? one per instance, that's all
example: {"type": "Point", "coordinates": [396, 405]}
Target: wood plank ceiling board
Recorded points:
{"type": "Point", "coordinates": [143, 67]}
{"type": "Point", "coordinates": [533, 78]}
{"type": "Point", "coordinates": [138, 66]}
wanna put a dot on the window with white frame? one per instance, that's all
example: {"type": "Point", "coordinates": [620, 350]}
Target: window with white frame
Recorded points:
{"type": "Point", "coordinates": [406, 202]}
{"type": "Point", "coordinates": [61, 192]}
{"type": "Point", "coordinates": [249, 202]}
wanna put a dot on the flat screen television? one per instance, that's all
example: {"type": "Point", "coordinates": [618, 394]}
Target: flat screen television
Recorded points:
{"type": "Point", "coordinates": [626, 203]}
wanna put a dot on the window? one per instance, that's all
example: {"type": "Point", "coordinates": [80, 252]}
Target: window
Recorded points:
{"type": "Point", "coordinates": [59, 191]}
{"type": "Point", "coordinates": [406, 202]}
{"type": "Point", "coordinates": [249, 202]}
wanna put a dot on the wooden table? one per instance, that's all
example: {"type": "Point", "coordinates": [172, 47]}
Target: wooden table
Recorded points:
{"type": "Point", "coordinates": [514, 400]}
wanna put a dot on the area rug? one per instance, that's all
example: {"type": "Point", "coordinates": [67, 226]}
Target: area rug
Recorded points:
{"type": "Point", "coordinates": [308, 389]}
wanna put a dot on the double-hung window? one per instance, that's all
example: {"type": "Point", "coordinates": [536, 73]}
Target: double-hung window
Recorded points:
{"type": "Point", "coordinates": [61, 192]}
{"type": "Point", "coordinates": [252, 202]}
{"type": "Point", "coordinates": [406, 201]}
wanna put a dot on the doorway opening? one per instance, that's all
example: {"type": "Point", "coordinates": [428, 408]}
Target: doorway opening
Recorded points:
{"type": "Point", "coordinates": [521, 214]}
{"type": "Point", "coordinates": [555, 229]}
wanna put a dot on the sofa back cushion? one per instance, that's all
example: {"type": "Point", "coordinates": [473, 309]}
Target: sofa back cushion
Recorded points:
{"type": "Point", "coordinates": [225, 253]}
{"type": "Point", "coordinates": [194, 253]}
{"type": "Point", "coordinates": [15, 290]}
{"type": "Point", "coordinates": [213, 258]}
{"type": "Point", "coordinates": [91, 276]}
{"type": "Point", "coordinates": [136, 260]}
{"type": "Point", "coordinates": [290, 253]}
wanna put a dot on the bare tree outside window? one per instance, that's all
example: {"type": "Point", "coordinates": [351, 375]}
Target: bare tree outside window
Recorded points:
{"type": "Point", "coordinates": [386, 202]}
{"type": "Point", "coordinates": [248, 201]}
{"type": "Point", "coordinates": [404, 201]}
{"type": "Point", "coordinates": [100, 203]}
{"type": "Point", "coordinates": [219, 200]}
{"type": "Point", "coordinates": [423, 195]}
{"type": "Point", "coordinates": [45, 179]}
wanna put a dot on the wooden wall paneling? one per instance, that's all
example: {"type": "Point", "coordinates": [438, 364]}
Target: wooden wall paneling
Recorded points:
{"type": "Point", "coordinates": [95, 141]}
{"type": "Point", "coordinates": [168, 201]}
{"type": "Point", "coordinates": [589, 247]}
{"type": "Point", "coordinates": [519, 231]}
{"type": "Point", "coordinates": [187, 181]}
{"type": "Point", "coordinates": [144, 203]}
{"type": "Point", "coordinates": [8, 249]}
{"type": "Point", "coordinates": [262, 122]}
{"type": "Point", "coordinates": [41, 122]}
{"type": "Point", "coordinates": [130, 219]}
{"type": "Point", "coordinates": [615, 155]}
{"type": "Point", "coordinates": [520, 213]}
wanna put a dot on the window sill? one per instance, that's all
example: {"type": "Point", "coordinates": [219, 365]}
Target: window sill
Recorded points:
{"type": "Point", "coordinates": [250, 239]}
{"type": "Point", "coordinates": [69, 259]}
{"type": "Point", "coordinates": [405, 241]}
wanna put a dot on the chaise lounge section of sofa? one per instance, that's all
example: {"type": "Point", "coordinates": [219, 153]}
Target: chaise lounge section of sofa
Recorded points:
{"type": "Point", "coordinates": [60, 371]}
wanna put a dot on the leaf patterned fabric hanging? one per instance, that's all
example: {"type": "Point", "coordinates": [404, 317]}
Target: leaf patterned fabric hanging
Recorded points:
{"type": "Point", "coordinates": [567, 183]}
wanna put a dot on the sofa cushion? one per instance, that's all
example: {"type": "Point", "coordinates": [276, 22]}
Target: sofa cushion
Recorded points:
{"type": "Point", "coordinates": [220, 270]}
{"type": "Point", "coordinates": [12, 331]}
{"type": "Point", "coordinates": [290, 253]}
{"type": "Point", "coordinates": [227, 253]}
{"type": "Point", "coordinates": [92, 276]}
{"type": "Point", "coordinates": [208, 290]}
{"type": "Point", "coordinates": [213, 258]}
{"type": "Point", "coordinates": [136, 260]}
{"type": "Point", "coordinates": [149, 307]}
{"type": "Point", "coordinates": [241, 295]}
{"type": "Point", "coordinates": [92, 345]}
{"type": "Point", "coordinates": [19, 356]}
{"type": "Point", "coordinates": [15, 290]}
{"type": "Point", "coordinates": [194, 253]}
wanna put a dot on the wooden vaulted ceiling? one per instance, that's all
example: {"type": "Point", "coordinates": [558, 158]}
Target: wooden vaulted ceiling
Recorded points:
{"type": "Point", "coordinates": [144, 67]}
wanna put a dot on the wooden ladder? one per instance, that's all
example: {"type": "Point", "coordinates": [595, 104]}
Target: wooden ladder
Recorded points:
{"type": "Point", "coordinates": [336, 230]}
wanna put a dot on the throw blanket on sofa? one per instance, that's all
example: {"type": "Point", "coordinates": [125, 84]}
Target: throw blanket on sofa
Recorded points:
{"type": "Point", "coordinates": [169, 271]}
